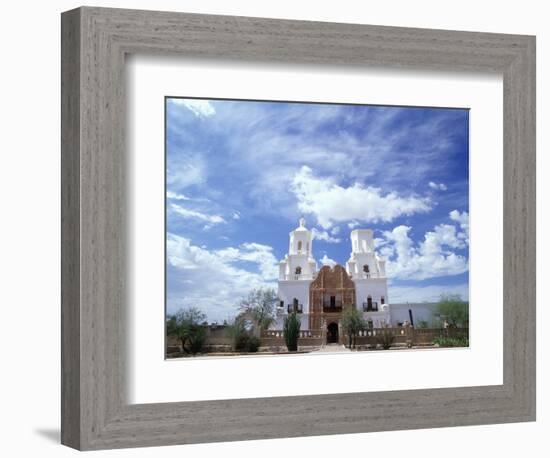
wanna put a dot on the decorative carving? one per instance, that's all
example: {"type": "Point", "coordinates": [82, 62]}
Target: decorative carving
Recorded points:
{"type": "Point", "coordinates": [330, 292]}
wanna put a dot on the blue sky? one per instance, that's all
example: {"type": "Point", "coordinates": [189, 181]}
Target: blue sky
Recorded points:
{"type": "Point", "coordinates": [240, 174]}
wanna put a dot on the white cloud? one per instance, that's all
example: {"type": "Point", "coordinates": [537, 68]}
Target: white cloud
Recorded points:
{"type": "Point", "coordinates": [335, 230]}
{"type": "Point", "coordinates": [236, 215]}
{"type": "Point", "coordinates": [176, 196]}
{"type": "Point", "coordinates": [196, 215]}
{"type": "Point", "coordinates": [262, 255]}
{"type": "Point", "coordinates": [324, 236]}
{"type": "Point", "coordinates": [379, 242]}
{"type": "Point", "coordinates": [215, 280]}
{"type": "Point", "coordinates": [433, 257]}
{"type": "Point", "coordinates": [430, 293]}
{"type": "Point", "coordinates": [438, 186]}
{"type": "Point", "coordinates": [184, 170]}
{"type": "Point", "coordinates": [353, 224]}
{"type": "Point", "coordinates": [330, 202]}
{"type": "Point", "coordinates": [200, 108]}
{"type": "Point", "coordinates": [326, 261]}
{"type": "Point", "coordinates": [463, 219]}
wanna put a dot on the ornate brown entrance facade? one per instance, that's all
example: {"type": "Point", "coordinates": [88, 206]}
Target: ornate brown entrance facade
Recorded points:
{"type": "Point", "coordinates": [330, 293]}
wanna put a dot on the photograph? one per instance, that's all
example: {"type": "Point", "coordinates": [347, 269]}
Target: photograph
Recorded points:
{"type": "Point", "coordinates": [314, 228]}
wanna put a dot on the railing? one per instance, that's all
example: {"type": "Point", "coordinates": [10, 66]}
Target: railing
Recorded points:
{"type": "Point", "coordinates": [400, 336]}
{"type": "Point", "coordinates": [329, 309]}
{"type": "Point", "coordinates": [299, 308]}
{"type": "Point", "coordinates": [396, 332]}
{"type": "Point", "coordinates": [297, 277]}
{"type": "Point", "coordinates": [366, 275]}
{"type": "Point", "coordinates": [303, 334]}
{"type": "Point", "coordinates": [372, 307]}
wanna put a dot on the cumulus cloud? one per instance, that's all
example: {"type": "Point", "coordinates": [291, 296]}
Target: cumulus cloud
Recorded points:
{"type": "Point", "coordinates": [200, 108]}
{"type": "Point", "coordinates": [331, 203]}
{"type": "Point", "coordinates": [326, 261]}
{"type": "Point", "coordinates": [437, 186]}
{"type": "Point", "coordinates": [463, 219]}
{"type": "Point", "coordinates": [324, 236]}
{"type": "Point", "coordinates": [196, 215]}
{"type": "Point", "coordinates": [215, 280]}
{"type": "Point", "coordinates": [261, 255]}
{"type": "Point", "coordinates": [432, 257]}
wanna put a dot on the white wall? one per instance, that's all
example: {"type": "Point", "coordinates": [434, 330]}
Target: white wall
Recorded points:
{"type": "Point", "coordinates": [288, 290]}
{"type": "Point", "coordinates": [375, 287]}
{"type": "Point", "coordinates": [420, 312]}
{"type": "Point", "coordinates": [29, 233]}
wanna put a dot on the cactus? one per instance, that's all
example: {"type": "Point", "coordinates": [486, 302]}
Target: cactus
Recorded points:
{"type": "Point", "coordinates": [291, 331]}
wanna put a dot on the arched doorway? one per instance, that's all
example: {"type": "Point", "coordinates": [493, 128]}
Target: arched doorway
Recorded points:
{"type": "Point", "coordinates": [332, 333]}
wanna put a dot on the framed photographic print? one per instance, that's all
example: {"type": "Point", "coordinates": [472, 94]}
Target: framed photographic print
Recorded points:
{"type": "Point", "coordinates": [338, 218]}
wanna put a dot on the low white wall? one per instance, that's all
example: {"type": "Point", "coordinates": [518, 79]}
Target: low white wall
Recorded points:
{"type": "Point", "coordinates": [423, 311]}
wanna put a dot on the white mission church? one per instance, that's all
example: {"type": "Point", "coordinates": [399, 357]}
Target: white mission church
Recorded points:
{"type": "Point", "coordinates": [319, 296]}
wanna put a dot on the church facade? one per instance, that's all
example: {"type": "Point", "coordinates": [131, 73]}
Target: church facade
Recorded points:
{"type": "Point", "coordinates": [321, 295]}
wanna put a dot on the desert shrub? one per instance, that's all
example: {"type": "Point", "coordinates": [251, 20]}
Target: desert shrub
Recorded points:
{"type": "Point", "coordinates": [452, 341]}
{"type": "Point", "coordinates": [187, 326]}
{"type": "Point", "coordinates": [385, 338]}
{"type": "Point", "coordinates": [197, 340]}
{"type": "Point", "coordinates": [238, 334]}
{"type": "Point", "coordinates": [241, 337]}
{"type": "Point", "coordinates": [241, 342]}
{"type": "Point", "coordinates": [253, 344]}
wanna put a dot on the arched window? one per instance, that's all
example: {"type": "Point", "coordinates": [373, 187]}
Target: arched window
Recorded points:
{"type": "Point", "coordinates": [382, 300]}
{"type": "Point", "coordinates": [366, 268]}
{"type": "Point", "coordinates": [369, 303]}
{"type": "Point", "coordinates": [298, 271]}
{"type": "Point", "coordinates": [300, 245]}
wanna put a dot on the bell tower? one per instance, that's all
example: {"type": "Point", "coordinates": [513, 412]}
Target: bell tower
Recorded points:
{"type": "Point", "coordinates": [297, 270]}
{"type": "Point", "coordinates": [368, 272]}
{"type": "Point", "coordinates": [300, 240]}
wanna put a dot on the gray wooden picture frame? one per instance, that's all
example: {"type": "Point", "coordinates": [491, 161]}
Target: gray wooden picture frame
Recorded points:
{"type": "Point", "coordinates": [95, 412]}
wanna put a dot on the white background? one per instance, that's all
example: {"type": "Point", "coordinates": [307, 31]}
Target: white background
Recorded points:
{"type": "Point", "coordinates": [481, 364]}
{"type": "Point", "coordinates": [29, 229]}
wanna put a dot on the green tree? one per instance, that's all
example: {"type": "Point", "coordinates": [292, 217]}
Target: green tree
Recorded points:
{"type": "Point", "coordinates": [291, 331]}
{"type": "Point", "coordinates": [260, 305]}
{"type": "Point", "coordinates": [454, 310]}
{"type": "Point", "coordinates": [187, 325]}
{"type": "Point", "coordinates": [352, 324]}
